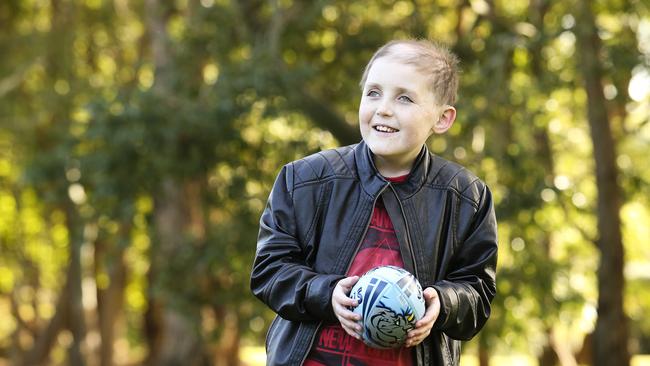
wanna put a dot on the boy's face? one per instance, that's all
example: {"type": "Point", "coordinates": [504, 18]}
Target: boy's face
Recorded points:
{"type": "Point", "coordinates": [398, 112]}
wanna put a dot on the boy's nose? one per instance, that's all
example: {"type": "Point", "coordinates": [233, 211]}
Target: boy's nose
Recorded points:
{"type": "Point", "coordinates": [384, 110]}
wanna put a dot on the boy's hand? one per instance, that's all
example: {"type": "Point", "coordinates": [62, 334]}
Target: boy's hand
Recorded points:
{"type": "Point", "coordinates": [340, 304]}
{"type": "Point", "coordinates": [424, 325]}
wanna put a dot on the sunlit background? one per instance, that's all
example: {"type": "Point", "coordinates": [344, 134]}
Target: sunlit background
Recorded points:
{"type": "Point", "coordinates": [139, 141]}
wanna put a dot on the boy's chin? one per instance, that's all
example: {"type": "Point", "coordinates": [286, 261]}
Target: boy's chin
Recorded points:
{"type": "Point", "coordinates": [378, 149]}
{"type": "Point", "coordinates": [382, 149]}
{"type": "Point", "coordinates": [392, 152]}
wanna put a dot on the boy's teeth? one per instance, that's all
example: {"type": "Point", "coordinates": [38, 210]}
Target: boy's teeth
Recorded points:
{"type": "Point", "coordinates": [384, 129]}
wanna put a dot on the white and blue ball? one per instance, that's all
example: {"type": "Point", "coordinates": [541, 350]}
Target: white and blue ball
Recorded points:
{"type": "Point", "coordinates": [390, 303]}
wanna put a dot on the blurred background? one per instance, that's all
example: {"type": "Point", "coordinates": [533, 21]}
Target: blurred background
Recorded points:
{"type": "Point", "coordinates": [139, 141]}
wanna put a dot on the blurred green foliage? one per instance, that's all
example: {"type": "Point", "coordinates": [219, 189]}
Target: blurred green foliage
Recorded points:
{"type": "Point", "coordinates": [87, 141]}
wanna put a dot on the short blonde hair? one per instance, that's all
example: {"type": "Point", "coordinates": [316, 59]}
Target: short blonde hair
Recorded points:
{"type": "Point", "coordinates": [433, 60]}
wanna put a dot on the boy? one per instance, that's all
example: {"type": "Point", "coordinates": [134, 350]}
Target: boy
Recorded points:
{"type": "Point", "coordinates": [334, 215]}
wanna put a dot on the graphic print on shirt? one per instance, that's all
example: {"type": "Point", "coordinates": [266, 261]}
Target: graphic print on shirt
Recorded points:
{"type": "Point", "coordinates": [380, 247]}
{"type": "Point", "coordinates": [336, 347]}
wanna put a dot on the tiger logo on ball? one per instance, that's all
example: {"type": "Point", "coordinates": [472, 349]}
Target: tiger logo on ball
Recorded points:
{"type": "Point", "coordinates": [390, 327]}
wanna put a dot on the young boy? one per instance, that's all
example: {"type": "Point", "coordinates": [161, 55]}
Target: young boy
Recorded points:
{"type": "Point", "coordinates": [386, 200]}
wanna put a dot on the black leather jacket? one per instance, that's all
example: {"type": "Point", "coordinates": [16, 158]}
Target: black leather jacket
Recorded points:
{"type": "Point", "coordinates": [317, 215]}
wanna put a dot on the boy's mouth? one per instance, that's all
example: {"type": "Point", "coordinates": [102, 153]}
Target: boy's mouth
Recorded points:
{"type": "Point", "coordinates": [385, 129]}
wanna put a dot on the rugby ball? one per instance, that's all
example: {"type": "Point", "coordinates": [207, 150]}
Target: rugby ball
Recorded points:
{"type": "Point", "coordinates": [390, 302]}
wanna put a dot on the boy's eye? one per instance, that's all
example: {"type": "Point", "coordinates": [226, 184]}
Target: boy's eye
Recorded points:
{"type": "Point", "coordinates": [404, 98]}
{"type": "Point", "coordinates": [373, 93]}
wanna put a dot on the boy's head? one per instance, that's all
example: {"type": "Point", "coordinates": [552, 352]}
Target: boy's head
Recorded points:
{"type": "Point", "coordinates": [434, 61]}
{"type": "Point", "coordinates": [408, 91]}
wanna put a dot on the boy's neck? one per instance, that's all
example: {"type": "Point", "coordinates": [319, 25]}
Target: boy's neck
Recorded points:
{"type": "Point", "coordinates": [390, 169]}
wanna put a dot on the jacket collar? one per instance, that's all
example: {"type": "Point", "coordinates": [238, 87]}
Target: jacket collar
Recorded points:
{"type": "Point", "coordinates": [372, 181]}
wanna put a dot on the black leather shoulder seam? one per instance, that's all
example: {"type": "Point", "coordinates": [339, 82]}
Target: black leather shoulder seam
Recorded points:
{"type": "Point", "coordinates": [323, 164]}
{"type": "Point", "coordinates": [455, 191]}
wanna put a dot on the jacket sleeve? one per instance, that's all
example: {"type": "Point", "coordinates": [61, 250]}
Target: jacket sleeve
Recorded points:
{"type": "Point", "coordinates": [280, 276]}
{"type": "Point", "coordinates": [469, 287]}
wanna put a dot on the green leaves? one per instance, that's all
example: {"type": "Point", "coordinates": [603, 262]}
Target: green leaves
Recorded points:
{"type": "Point", "coordinates": [251, 85]}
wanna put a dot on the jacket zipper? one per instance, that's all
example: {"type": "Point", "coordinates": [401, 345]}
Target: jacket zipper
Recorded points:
{"type": "Point", "coordinates": [365, 231]}
{"type": "Point", "coordinates": [408, 234]}
{"type": "Point", "coordinates": [419, 348]}
{"type": "Point", "coordinates": [356, 250]}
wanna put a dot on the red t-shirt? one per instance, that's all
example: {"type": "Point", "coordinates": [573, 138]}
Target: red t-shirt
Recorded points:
{"type": "Point", "coordinates": [334, 347]}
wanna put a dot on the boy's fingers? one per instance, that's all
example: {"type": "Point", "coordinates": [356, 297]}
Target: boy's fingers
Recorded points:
{"type": "Point", "coordinates": [343, 312]}
{"type": "Point", "coordinates": [417, 333]}
{"type": "Point", "coordinates": [343, 300]}
{"type": "Point", "coordinates": [348, 282]}
{"type": "Point", "coordinates": [416, 336]}
{"type": "Point", "coordinates": [351, 325]}
{"type": "Point", "coordinates": [352, 333]}
{"type": "Point", "coordinates": [350, 315]}
{"type": "Point", "coordinates": [428, 318]}
{"type": "Point", "coordinates": [429, 293]}
{"type": "Point", "coordinates": [349, 322]}
{"type": "Point", "coordinates": [424, 325]}
{"type": "Point", "coordinates": [349, 302]}
{"type": "Point", "coordinates": [433, 308]}
{"type": "Point", "coordinates": [352, 328]}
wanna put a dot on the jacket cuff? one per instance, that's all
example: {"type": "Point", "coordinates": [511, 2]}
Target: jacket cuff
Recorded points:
{"type": "Point", "coordinates": [318, 301]}
{"type": "Point", "coordinates": [448, 305]}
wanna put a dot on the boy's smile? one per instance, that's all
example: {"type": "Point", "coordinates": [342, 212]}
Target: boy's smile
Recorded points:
{"type": "Point", "coordinates": [398, 112]}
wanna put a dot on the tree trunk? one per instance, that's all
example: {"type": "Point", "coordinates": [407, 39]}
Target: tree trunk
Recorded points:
{"type": "Point", "coordinates": [611, 334]}
{"type": "Point", "coordinates": [69, 310]}
{"type": "Point", "coordinates": [483, 356]}
{"type": "Point", "coordinates": [227, 353]}
{"type": "Point", "coordinates": [75, 317]}
{"type": "Point", "coordinates": [483, 350]}
{"type": "Point", "coordinates": [110, 300]}
{"type": "Point", "coordinates": [548, 357]}
{"type": "Point", "coordinates": [31, 276]}
{"type": "Point", "coordinates": [173, 336]}
{"type": "Point", "coordinates": [537, 11]}
{"type": "Point", "coordinates": [15, 350]}
{"type": "Point", "coordinates": [43, 344]}
{"type": "Point", "coordinates": [584, 356]}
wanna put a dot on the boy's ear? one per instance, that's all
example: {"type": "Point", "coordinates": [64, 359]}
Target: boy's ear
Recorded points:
{"type": "Point", "coordinates": [445, 121]}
